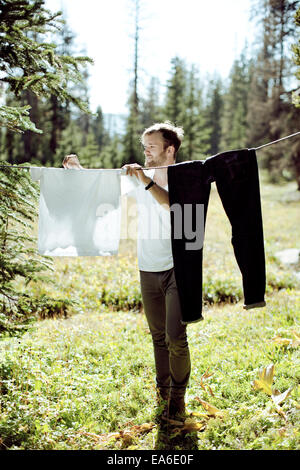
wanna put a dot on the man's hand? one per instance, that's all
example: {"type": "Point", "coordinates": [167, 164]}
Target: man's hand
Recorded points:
{"type": "Point", "coordinates": [133, 170]}
{"type": "Point", "coordinates": [159, 193]}
{"type": "Point", "coordinates": [71, 162]}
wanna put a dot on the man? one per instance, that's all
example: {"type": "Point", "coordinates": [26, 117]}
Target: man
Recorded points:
{"type": "Point", "coordinates": [158, 286]}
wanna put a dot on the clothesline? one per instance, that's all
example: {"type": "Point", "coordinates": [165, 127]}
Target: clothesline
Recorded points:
{"type": "Point", "coordinates": [254, 148]}
{"type": "Point", "coordinates": [157, 167]}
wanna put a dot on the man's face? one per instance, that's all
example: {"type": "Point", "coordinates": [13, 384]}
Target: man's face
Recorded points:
{"type": "Point", "coordinates": [155, 154]}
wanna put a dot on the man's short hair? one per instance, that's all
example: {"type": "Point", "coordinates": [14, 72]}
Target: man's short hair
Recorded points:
{"type": "Point", "coordinates": [172, 135]}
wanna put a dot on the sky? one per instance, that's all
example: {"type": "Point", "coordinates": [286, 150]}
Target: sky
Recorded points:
{"type": "Point", "coordinates": [207, 33]}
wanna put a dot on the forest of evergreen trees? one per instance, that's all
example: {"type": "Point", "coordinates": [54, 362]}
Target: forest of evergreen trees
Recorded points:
{"type": "Point", "coordinates": [44, 115]}
{"type": "Point", "coordinates": [251, 107]}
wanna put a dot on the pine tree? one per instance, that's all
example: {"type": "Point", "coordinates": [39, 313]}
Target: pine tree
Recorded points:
{"type": "Point", "coordinates": [132, 150]}
{"type": "Point", "coordinates": [151, 111]}
{"type": "Point", "coordinates": [193, 119]}
{"type": "Point", "coordinates": [12, 151]}
{"type": "Point", "coordinates": [296, 100]}
{"type": "Point", "coordinates": [213, 115]}
{"type": "Point", "coordinates": [32, 66]}
{"type": "Point", "coordinates": [175, 99]}
{"type": "Point", "coordinates": [271, 113]}
{"type": "Point", "coordinates": [234, 120]}
{"type": "Point", "coordinates": [296, 51]}
{"type": "Point", "coordinates": [83, 119]}
{"type": "Point", "coordinates": [111, 154]}
{"type": "Point", "coordinates": [202, 131]}
{"type": "Point", "coordinates": [98, 128]}
{"type": "Point", "coordinates": [28, 64]}
{"type": "Point", "coordinates": [281, 13]}
{"type": "Point", "coordinates": [18, 256]}
{"type": "Point", "coordinates": [29, 150]}
{"type": "Point", "coordinates": [69, 143]}
{"type": "Point", "coordinates": [89, 153]}
{"type": "Point", "coordinates": [131, 146]}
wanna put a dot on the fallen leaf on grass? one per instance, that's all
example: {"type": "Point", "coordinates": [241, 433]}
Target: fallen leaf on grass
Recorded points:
{"type": "Point", "coordinates": [129, 434]}
{"type": "Point", "coordinates": [279, 340]}
{"type": "Point", "coordinates": [278, 397]}
{"type": "Point", "coordinates": [126, 435]}
{"type": "Point", "coordinates": [175, 422]}
{"type": "Point", "coordinates": [204, 385]}
{"type": "Point", "coordinates": [296, 343]}
{"type": "Point", "coordinates": [189, 425]}
{"type": "Point", "coordinates": [281, 412]}
{"type": "Point", "coordinates": [288, 341]}
{"type": "Point", "coordinates": [282, 432]}
{"type": "Point", "coordinates": [264, 382]}
{"type": "Point", "coordinates": [144, 427]}
{"type": "Point", "coordinates": [212, 410]}
{"type": "Point", "coordinates": [200, 415]}
{"type": "Point", "coordinates": [103, 438]}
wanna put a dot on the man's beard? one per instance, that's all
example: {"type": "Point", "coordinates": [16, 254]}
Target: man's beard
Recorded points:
{"type": "Point", "coordinates": [160, 160]}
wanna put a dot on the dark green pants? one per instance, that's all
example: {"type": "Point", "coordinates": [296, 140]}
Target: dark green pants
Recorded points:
{"type": "Point", "coordinates": [163, 313]}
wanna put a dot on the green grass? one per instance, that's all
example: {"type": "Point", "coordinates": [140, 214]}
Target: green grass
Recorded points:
{"type": "Point", "coordinates": [87, 381]}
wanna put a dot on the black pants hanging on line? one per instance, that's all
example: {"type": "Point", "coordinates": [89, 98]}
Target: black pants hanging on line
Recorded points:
{"type": "Point", "coordinates": [237, 180]}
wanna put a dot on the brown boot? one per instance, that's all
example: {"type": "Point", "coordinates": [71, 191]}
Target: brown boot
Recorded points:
{"type": "Point", "coordinates": [162, 397]}
{"type": "Point", "coordinates": [163, 394]}
{"type": "Point", "coordinates": [176, 410]}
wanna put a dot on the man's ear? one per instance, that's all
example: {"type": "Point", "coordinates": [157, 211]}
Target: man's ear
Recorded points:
{"type": "Point", "coordinates": [171, 151]}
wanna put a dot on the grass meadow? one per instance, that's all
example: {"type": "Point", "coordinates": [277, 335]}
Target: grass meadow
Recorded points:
{"type": "Point", "coordinates": [87, 380]}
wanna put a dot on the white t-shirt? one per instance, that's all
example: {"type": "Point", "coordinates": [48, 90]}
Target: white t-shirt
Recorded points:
{"type": "Point", "coordinates": [79, 211]}
{"type": "Point", "coordinates": [154, 248]}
